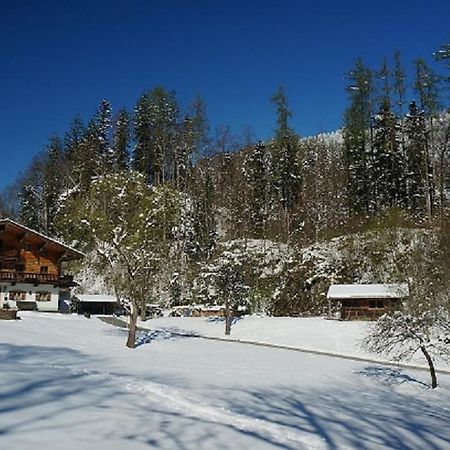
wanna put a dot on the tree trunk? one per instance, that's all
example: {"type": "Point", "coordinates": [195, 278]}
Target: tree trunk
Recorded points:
{"type": "Point", "coordinates": [131, 341]}
{"type": "Point", "coordinates": [144, 310]}
{"type": "Point", "coordinates": [228, 318]}
{"type": "Point", "coordinates": [431, 365]}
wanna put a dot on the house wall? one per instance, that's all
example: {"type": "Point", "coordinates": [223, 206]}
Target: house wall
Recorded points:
{"type": "Point", "coordinates": [366, 308]}
{"type": "Point", "coordinates": [30, 295]}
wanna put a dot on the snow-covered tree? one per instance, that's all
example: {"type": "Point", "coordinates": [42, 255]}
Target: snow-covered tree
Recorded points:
{"type": "Point", "coordinates": [423, 321]}
{"type": "Point", "coordinates": [225, 285]}
{"type": "Point", "coordinates": [131, 226]}
{"type": "Point", "coordinates": [402, 334]}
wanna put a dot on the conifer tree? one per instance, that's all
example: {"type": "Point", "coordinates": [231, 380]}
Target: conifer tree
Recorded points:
{"type": "Point", "coordinates": [417, 167]}
{"type": "Point", "coordinates": [142, 153]}
{"type": "Point", "coordinates": [426, 87]}
{"type": "Point", "coordinates": [184, 144]}
{"type": "Point", "coordinates": [121, 141]}
{"type": "Point", "coordinates": [53, 182]}
{"type": "Point", "coordinates": [256, 171]}
{"type": "Point", "coordinates": [203, 235]}
{"type": "Point", "coordinates": [31, 195]}
{"type": "Point", "coordinates": [387, 164]}
{"type": "Point", "coordinates": [358, 139]}
{"type": "Point", "coordinates": [73, 138]}
{"type": "Point", "coordinates": [200, 127]}
{"type": "Point", "coordinates": [101, 134]}
{"type": "Point", "coordinates": [156, 121]}
{"type": "Point", "coordinates": [287, 174]}
{"type": "Point", "coordinates": [399, 84]}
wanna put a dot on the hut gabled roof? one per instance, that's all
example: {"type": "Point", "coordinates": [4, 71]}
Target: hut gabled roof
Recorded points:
{"type": "Point", "coordinates": [344, 291]}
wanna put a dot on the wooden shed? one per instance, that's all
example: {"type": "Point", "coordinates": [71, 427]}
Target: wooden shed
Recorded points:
{"type": "Point", "coordinates": [364, 301]}
{"type": "Point", "coordinates": [95, 304]}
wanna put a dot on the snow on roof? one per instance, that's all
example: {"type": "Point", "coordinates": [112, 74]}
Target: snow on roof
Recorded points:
{"type": "Point", "coordinates": [340, 291]}
{"type": "Point", "coordinates": [91, 298]}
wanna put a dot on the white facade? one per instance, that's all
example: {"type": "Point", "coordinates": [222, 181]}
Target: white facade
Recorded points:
{"type": "Point", "coordinates": [46, 296]}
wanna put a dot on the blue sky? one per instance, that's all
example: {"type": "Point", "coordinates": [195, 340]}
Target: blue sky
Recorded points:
{"type": "Point", "coordinates": [61, 58]}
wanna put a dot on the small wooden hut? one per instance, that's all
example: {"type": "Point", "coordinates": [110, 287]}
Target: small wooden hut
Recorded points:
{"type": "Point", "coordinates": [364, 301]}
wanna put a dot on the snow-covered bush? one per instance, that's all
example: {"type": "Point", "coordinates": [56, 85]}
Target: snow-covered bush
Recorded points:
{"type": "Point", "coordinates": [402, 334]}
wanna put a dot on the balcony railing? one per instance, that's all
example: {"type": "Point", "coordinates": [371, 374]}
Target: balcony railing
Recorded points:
{"type": "Point", "coordinates": [33, 278]}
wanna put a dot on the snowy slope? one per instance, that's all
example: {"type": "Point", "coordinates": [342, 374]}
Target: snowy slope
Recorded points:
{"type": "Point", "coordinates": [69, 382]}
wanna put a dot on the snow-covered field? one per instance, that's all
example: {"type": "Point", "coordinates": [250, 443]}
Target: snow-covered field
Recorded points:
{"type": "Point", "coordinates": [69, 383]}
{"type": "Point", "coordinates": [316, 333]}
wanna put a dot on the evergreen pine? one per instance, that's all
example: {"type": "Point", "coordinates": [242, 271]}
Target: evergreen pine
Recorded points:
{"type": "Point", "coordinates": [287, 173]}
{"type": "Point", "coordinates": [358, 139]}
{"type": "Point", "coordinates": [121, 141]}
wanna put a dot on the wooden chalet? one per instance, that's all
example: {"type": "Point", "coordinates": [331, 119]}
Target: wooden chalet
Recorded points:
{"type": "Point", "coordinates": [364, 301]}
{"type": "Point", "coordinates": [31, 268]}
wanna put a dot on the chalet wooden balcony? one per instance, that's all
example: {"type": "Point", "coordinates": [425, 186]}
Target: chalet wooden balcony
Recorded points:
{"type": "Point", "coordinates": [11, 276]}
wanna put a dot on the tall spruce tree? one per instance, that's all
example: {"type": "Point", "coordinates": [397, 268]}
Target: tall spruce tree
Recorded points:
{"type": "Point", "coordinates": [120, 155]}
{"type": "Point", "coordinates": [101, 134]}
{"type": "Point", "coordinates": [142, 153]}
{"type": "Point", "coordinates": [31, 194]}
{"type": "Point", "coordinates": [202, 237]}
{"type": "Point", "coordinates": [416, 161]}
{"type": "Point", "coordinates": [256, 170]}
{"type": "Point", "coordinates": [53, 182]}
{"type": "Point", "coordinates": [184, 145]}
{"type": "Point", "coordinates": [358, 138]}
{"type": "Point", "coordinates": [287, 173]}
{"type": "Point", "coordinates": [387, 163]}
{"type": "Point", "coordinates": [399, 84]}
{"type": "Point", "coordinates": [426, 87]}
{"type": "Point", "coordinates": [155, 129]}
{"type": "Point", "coordinates": [200, 127]}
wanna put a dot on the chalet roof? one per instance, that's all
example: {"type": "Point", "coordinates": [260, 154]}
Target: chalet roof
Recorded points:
{"type": "Point", "coordinates": [71, 252]}
{"type": "Point", "coordinates": [344, 291]}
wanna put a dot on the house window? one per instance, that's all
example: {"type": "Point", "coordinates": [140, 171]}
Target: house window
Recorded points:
{"type": "Point", "coordinates": [43, 296]}
{"type": "Point", "coordinates": [44, 269]}
{"type": "Point", "coordinates": [17, 296]}
{"type": "Point", "coordinates": [27, 247]}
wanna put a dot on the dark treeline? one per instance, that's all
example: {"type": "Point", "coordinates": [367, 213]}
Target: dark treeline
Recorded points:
{"type": "Point", "coordinates": [393, 153]}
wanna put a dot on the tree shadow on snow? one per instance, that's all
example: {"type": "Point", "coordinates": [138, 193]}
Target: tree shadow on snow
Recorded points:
{"type": "Point", "coordinates": [147, 337]}
{"type": "Point", "coordinates": [39, 383]}
{"type": "Point", "coordinates": [217, 319]}
{"type": "Point", "coordinates": [390, 376]}
{"type": "Point", "coordinates": [379, 418]}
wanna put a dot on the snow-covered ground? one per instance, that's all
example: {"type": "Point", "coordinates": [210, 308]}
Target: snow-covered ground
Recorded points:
{"type": "Point", "coordinates": [69, 383]}
{"type": "Point", "coordinates": [316, 333]}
